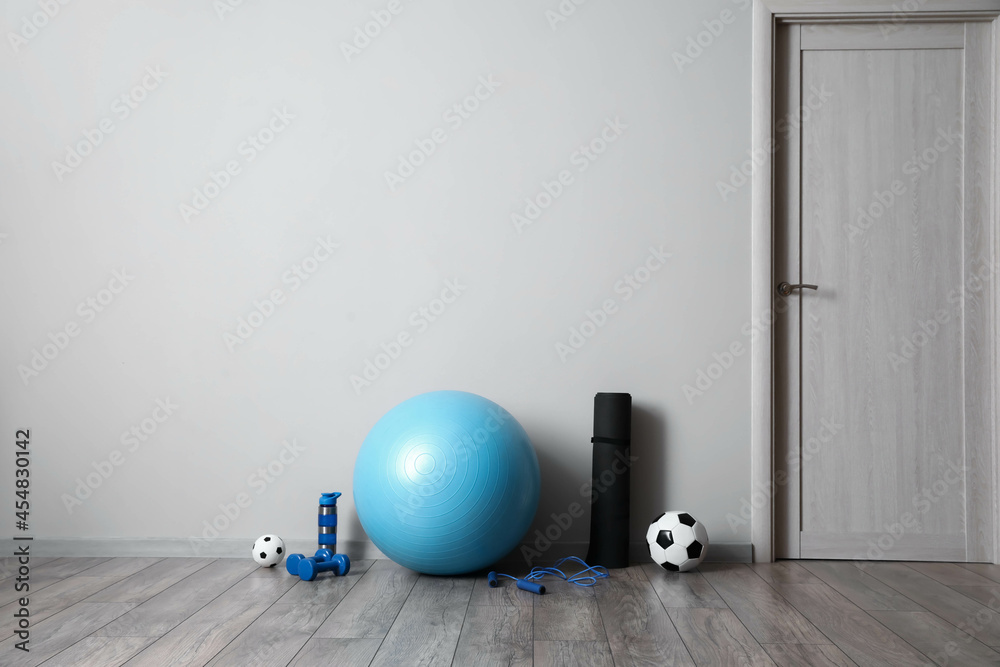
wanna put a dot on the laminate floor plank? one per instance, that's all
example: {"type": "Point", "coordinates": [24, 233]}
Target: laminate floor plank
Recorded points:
{"type": "Point", "coordinates": [496, 635]}
{"type": "Point", "coordinates": [154, 579]}
{"type": "Point", "coordinates": [339, 652]}
{"type": "Point", "coordinates": [952, 606]}
{"type": "Point", "coordinates": [427, 629]}
{"type": "Point", "coordinates": [166, 610]}
{"type": "Point", "coordinates": [571, 617]}
{"type": "Point", "coordinates": [276, 572]}
{"type": "Point", "coordinates": [638, 628]}
{"type": "Point", "coordinates": [572, 654]}
{"type": "Point", "coordinates": [119, 567]}
{"type": "Point", "coordinates": [507, 594]}
{"type": "Point", "coordinates": [808, 655]}
{"type": "Point", "coordinates": [327, 588]}
{"type": "Point", "coordinates": [209, 630]}
{"type": "Point", "coordinates": [864, 590]}
{"type": "Point", "coordinates": [682, 589]}
{"type": "Point", "coordinates": [51, 571]}
{"type": "Point", "coordinates": [854, 631]}
{"type": "Point", "coordinates": [987, 570]}
{"type": "Point", "coordinates": [950, 574]}
{"type": "Point", "coordinates": [60, 631]}
{"type": "Point", "coordinates": [9, 565]}
{"type": "Point", "coordinates": [988, 596]}
{"type": "Point", "coordinates": [9, 593]}
{"type": "Point", "coordinates": [13, 561]}
{"type": "Point", "coordinates": [60, 568]}
{"type": "Point", "coordinates": [630, 573]}
{"type": "Point", "coordinates": [716, 637]}
{"type": "Point", "coordinates": [765, 613]}
{"type": "Point", "coordinates": [99, 652]}
{"type": "Point", "coordinates": [61, 595]}
{"type": "Point", "coordinates": [274, 638]}
{"type": "Point", "coordinates": [784, 572]}
{"type": "Point", "coordinates": [939, 640]}
{"type": "Point", "coordinates": [371, 606]}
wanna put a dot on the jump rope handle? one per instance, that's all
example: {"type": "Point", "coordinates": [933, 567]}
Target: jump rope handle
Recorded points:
{"type": "Point", "coordinates": [531, 587]}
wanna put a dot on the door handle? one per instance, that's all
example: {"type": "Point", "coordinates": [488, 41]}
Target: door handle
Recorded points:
{"type": "Point", "coordinates": [784, 289]}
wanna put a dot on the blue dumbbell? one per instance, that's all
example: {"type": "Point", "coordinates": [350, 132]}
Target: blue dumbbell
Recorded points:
{"type": "Point", "coordinates": [292, 563]}
{"type": "Point", "coordinates": [339, 564]}
{"type": "Point", "coordinates": [293, 560]}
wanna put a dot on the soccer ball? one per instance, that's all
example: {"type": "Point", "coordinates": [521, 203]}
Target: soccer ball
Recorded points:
{"type": "Point", "coordinates": [268, 550]}
{"type": "Point", "coordinates": [677, 541]}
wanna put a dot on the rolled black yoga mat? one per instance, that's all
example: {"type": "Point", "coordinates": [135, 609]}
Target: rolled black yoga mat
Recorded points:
{"type": "Point", "coordinates": [609, 508]}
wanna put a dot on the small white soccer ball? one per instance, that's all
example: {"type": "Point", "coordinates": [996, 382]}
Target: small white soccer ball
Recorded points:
{"type": "Point", "coordinates": [268, 550]}
{"type": "Point", "coordinates": [677, 541]}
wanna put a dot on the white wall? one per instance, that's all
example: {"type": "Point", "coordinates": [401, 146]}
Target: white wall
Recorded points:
{"type": "Point", "coordinates": [323, 176]}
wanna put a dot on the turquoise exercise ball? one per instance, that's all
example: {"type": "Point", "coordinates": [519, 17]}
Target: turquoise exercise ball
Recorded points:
{"type": "Point", "coordinates": [446, 482]}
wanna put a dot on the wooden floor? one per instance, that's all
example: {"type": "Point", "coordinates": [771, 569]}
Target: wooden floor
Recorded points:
{"type": "Point", "coordinates": [182, 611]}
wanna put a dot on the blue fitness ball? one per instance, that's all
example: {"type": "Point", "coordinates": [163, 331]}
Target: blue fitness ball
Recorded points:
{"type": "Point", "coordinates": [446, 482]}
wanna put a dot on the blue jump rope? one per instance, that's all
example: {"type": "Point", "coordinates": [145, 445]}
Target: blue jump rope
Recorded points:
{"type": "Point", "coordinates": [586, 577]}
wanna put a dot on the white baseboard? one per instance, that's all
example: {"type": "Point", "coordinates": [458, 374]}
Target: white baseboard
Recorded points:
{"type": "Point", "coordinates": [228, 547]}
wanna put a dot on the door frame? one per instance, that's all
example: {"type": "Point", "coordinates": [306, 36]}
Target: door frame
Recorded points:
{"type": "Point", "coordinates": [766, 15]}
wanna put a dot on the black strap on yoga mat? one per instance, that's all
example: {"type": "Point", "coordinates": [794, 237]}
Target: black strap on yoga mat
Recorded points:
{"type": "Point", "coordinates": [612, 441]}
{"type": "Point", "coordinates": [609, 509]}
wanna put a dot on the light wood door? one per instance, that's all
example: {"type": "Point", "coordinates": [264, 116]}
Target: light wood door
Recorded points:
{"type": "Point", "coordinates": [884, 171]}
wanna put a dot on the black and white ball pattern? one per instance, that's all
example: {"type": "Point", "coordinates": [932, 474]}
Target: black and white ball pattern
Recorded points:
{"type": "Point", "coordinates": [268, 550]}
{"type": "Point", "coordinates": [677, 541]}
